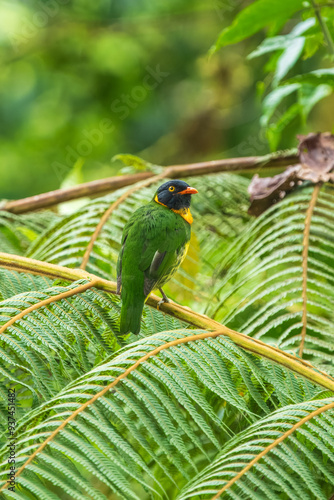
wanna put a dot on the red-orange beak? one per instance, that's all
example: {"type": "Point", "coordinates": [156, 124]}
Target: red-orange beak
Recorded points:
{"type": "Point", "coordinates": [189, 190]}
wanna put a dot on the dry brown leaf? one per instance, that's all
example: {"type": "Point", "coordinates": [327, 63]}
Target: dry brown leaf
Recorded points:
{"type": "Point", "coordinates": [316, 154]}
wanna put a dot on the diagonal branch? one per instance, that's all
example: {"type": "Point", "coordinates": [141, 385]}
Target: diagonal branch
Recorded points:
{"type": "Point", "coordinates": [113, 207]}
{"type": "Point", "coordinates": [306, 243]}
{"type": "Point", "coordinates": [57, 196]}
{"type": "Point", "coordinates": [24, 264]}
{"type": "Point", "coordinates": [273, 445]}
{"type": "Point", "coordinates": [300, 366]}
{"type": "Point", "coordinates": [103, 186]}
{"type": "Point", "coordinates": [135, 365]}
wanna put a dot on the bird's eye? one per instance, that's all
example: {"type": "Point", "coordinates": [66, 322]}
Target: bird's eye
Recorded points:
{"type": "Point", "coordinates": [171, 188]}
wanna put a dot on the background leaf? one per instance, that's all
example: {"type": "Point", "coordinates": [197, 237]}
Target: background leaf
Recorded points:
{"type": "Point", "coordinates": [255, 17]}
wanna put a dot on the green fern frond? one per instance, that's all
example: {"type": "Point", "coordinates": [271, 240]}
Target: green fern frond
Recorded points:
{"type": "Point", "coordinates": [157, 427]}
{"type": "Point", "coordinates": [288, 454]}
{"type": "Point", "coordinates": [221, 198]}
{"type": "Point", "coordinates": [13, 283]}
{"type": "Point", "coordinates": [262, 293]}
{"type": "Point", "coordinates": [41, 352]}
{"type": "Point", "coordinates": [17, 232]}
{"type": "Point", "coordinates": [46, 348]}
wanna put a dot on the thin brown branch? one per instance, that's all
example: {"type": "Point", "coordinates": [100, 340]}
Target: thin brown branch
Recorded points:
{"type": "Point", "coordinates": [92, 188]}
{"type": "Point", "coordinates": [273, 445]}
{"type": "Point", "coordinates": [112, 183]}
{"type": "Point", "coordinates": [45, 302]}
{"type": "Point", "coordinates": [109, 211]}
{"type": "Point", "coordinates": [134, 366]}
{"type": "Point", "coordinates": [306, 244]}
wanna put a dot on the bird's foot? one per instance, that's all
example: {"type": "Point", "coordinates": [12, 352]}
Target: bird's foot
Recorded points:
{"type": "Point", "coordinates": [119, 285]}
{"type": "Point", "coordinates": [164, 300]}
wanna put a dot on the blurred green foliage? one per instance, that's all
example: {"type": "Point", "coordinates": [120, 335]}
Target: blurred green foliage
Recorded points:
{"type": "Point", "coordinates": [309, 35]}
{"type": "Point", "coordinates": [95, 79]}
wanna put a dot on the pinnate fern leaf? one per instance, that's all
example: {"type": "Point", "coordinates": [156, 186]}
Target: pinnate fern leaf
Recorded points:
{"type": "Point", "coordinates": [273, 287]}
{"type": "Point", "coordinates": [158, 427]}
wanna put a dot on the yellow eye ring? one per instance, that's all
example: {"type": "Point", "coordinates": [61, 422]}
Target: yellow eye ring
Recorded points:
{"type": "Point", "coordinates": [171, 188]}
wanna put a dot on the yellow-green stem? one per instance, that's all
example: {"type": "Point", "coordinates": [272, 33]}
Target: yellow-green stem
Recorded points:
{"type": "Point", "coordinates": [255, 346]}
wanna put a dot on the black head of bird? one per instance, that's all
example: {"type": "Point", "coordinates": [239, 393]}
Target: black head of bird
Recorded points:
{"type": "Point", "coordinates": [175, 194]}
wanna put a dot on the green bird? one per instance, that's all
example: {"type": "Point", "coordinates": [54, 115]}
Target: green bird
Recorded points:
{"type": "Point", "coordinates": [154, 243]}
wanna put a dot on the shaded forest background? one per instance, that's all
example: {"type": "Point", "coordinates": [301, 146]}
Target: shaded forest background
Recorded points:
{"type": "Point", "coordinates": [90, 80]}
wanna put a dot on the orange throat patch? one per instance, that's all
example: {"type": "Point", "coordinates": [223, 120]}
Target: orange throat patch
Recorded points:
{"type": "Point", "coordinates": [184, 212]}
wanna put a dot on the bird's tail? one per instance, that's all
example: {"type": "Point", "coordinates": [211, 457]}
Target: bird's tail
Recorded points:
{"type": "Point", "coordinates": [132, 308]}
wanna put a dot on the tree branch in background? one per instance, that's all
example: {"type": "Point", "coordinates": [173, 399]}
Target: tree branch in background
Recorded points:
{"type": "Point", "coordinates": [113, 207]}
{"type": "Point", "coordinates": [103, 186]}
{"type": "Point", "coordinates": [257, 347]}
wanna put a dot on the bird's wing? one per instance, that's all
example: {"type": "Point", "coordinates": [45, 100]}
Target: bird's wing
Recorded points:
{"type": "Point", "coordinates": [161, 262]}
{"type": "Point", "coordinates": [152, 239]}
{"type": "Point", "coordinates": [128, 226]}
{"type": "Point", "coordinates": [163, 251]}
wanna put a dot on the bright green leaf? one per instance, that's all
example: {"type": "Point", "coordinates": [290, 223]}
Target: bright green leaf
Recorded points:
{"type": "Point", "coordinates": [303, 27]}
{"type": "Point", "coordinates": [281, 42]}
{"type": "Point", "coordinates": [270, 45]}
{"type": "Point", "coordinates": [273, 100]}
{"type": "Point", "coordinates": [289, 58]}
{"type": "Point", "coordinates": [318, 77]}
{"type": "Point", "coordinates": [132, 161]}
{"type": "Point", "coordinates": [310, 96]}
{"type": "Point", "coordinates": [255, 17]}
{"type": "Point", "coordinates": [275, 130]}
